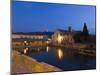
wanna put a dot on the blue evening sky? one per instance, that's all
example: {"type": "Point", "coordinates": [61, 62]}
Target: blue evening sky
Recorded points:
{"type": "Point", "coordinates": [37, 16]}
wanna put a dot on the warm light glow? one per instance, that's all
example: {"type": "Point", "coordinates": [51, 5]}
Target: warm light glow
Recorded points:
{"type": "Point", "coordinates": [25, 41]}
{"type": "Point", "coordinates": [25, 50]}
{"type": "Point", "coordinates": [60, 39]}
{"type": "Point", "coordinates": [38, 49]}
{"type": "Point", "coordinates": [49, 39]}
{"type": "Point", "coordinates": [47, 42]}
{"type": "Point", "coordinates": [60, 53]}
{"type": "Point", "coordinates": [47, 48]}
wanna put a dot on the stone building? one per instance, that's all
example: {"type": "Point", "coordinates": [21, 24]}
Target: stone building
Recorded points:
{"type": "Point", "coordinates": [29, 36]}
{"type": "Point", "coordinates": [63, 37]}
{"type": "Point", "coordinates": [32, 39]}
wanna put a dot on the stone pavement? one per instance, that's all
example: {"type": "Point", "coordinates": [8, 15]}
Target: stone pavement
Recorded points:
{"type": "Point", "coordinates": [21, 64]}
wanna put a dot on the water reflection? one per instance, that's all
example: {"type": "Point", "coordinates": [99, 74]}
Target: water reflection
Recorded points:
{"type": "Point", "coordinates": [47, 48]}
{"type": "Point", "coordinates": [38, 49]}
{"type": "Point", "coordinates": [25, 50]}
{"type": "Point", "coordinates": [60, 53]}
{"type": "Point", "coordinates": [66, 59]}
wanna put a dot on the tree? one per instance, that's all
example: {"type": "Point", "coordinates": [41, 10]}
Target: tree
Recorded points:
{"type": "Point", "coordinates": [82, 37]}
{"type": "Point", "coordinates": [78, 37]}
{"type": "Point", "coordinates": [85, 33]}
{"type": "Point", "coordinates": [85, 30]}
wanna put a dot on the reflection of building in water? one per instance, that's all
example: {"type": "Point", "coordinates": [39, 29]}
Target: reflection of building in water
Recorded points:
{"type": "Point", "coordinates": [60, 53]}
{"type": "Point", "coordinates": [62, 37]}
{"type": "Point", "coordinates": [30, 42]}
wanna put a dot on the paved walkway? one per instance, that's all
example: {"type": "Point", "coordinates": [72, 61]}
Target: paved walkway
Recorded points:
{"type": "Point", "coordinates": [24, 64]}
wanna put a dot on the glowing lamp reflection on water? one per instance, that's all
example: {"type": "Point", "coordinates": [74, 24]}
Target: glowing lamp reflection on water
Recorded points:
{"type": "Point", "coordinates": [47, 48]}
{"type": "Point", "coordinates": [60, 53]}
{"type": "Point", "coordinates": [25, 50]}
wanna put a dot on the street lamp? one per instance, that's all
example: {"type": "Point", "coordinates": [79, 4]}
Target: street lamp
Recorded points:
{"type": "Point", "coordinates": [25, 43]}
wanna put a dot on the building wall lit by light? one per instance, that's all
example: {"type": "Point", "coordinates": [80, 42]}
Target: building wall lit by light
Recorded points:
{"type": "Point", "coordinates": [60, 38]}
